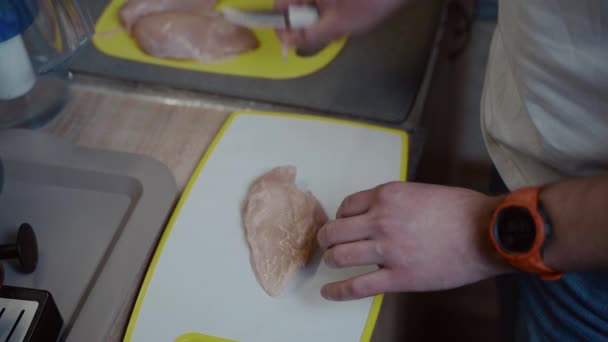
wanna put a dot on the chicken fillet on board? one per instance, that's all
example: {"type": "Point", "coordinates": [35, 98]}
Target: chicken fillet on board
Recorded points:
{"type": "Point", "coordinates": [205, 36]}
{"type": "Point", "coordinates": [281, 223]}
{"type": "Point", "coordinates": [135, 9]}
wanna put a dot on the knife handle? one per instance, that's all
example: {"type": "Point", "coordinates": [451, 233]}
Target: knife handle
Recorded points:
{"type": "Point", "coordinates": [302, 16]}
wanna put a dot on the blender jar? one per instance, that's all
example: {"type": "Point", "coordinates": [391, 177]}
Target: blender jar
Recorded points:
{"type": "Point", "coordinates": [37, 39]}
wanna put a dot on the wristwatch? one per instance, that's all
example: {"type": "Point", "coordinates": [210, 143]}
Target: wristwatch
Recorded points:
{"type": "Point", "coordinates": [519, 231]}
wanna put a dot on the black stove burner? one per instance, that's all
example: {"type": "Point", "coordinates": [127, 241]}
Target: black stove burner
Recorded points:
{"type": "Point", "coordinates": [25, 249]}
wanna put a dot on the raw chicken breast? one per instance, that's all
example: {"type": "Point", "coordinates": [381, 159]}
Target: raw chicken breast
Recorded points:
{"type": "Point", "coordinates": [135, 9]}
{"type": "Point", "coordinates": [206, 36]}
{"type": "Point", "coordinates": [281, 224]}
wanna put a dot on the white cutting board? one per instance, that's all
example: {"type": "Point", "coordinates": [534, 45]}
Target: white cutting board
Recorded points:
{"type": "Point", "coordinates": [201, 281]}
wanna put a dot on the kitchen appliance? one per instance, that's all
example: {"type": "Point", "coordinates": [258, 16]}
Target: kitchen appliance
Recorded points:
{"type": "Point", "coordinates": [37, 37]}
{"type": "Point", "coordinates": [28, 315]}
{"type": "Point", "coordinates": [94, 217]}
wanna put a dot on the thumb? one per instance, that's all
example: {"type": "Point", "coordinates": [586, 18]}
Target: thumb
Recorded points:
{"type": "Point", "coordinates": [324, 32]}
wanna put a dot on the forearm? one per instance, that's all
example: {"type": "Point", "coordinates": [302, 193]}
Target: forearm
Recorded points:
{"type": "Point", "coordinates": [578, 211]}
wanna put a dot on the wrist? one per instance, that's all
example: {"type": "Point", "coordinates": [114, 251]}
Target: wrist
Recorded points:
{"type": "Point", "coordinates": [551, 252]}
{"type": "Point", "coordinates": [520, 230]}
{"type": "Point", "coordinates": [493, 264]}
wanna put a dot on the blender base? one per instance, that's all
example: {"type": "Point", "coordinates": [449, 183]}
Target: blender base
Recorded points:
{"type": "Point", "coordinates": [36, 108]}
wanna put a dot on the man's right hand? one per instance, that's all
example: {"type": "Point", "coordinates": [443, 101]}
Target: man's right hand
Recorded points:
{"type": "Point", "coordinates": [338, 18]}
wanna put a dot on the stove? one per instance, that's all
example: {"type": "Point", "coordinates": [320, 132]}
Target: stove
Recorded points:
{"type": "Point", "coordinates": [77, 226]}
{"type": "Point", "coordinates": [28, 315]}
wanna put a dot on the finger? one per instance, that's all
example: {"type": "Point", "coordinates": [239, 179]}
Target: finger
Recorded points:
{"type": "Point", "coordinates": [287, 37]}
{"type": "Point", "coordinates": [325, 31]}
{"type": "Point", "coordinates": [329, 28]}
{"type": "Point", "coordinates": [362, 286]}
{"type": "Point", "coordinates": [282, 34]}
{"type": "Point", "coordinates": [356, 204]}
{"type": "Point", "coordinates": [291, 39]}
{"type": "Point", "coordinates": [345, 230]}
{"type": "Point", "coordinates": [360, 253]}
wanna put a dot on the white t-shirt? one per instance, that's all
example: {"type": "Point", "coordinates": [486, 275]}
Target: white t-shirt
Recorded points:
{"type": "Point", "coordinates": [545, 102]}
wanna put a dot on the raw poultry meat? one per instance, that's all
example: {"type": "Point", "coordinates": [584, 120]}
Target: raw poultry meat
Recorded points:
{"type": "Point", "coordinates": [205, 36]}
{"type": "Point", "coordinates": [281, 224]}
{"type": "Point", "coordinates": [185, 30]}
{"type": "Point", "coordinates": [135, 9]}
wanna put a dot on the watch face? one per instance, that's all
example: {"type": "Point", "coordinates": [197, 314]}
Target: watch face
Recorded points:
{"type": "Point", "coordinates": [515, 230]}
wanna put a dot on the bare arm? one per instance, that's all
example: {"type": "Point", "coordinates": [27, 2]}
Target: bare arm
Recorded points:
{"type": "Point", "coordinates": [428, 237]}
{"type": "Point", "coordinates": [578, 210]}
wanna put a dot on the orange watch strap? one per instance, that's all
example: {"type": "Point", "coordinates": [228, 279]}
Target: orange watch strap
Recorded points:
{"type": "Point", "coordinates": [530, 261]}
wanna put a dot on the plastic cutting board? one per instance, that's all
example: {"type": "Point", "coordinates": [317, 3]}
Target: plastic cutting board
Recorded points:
{"type": "Point", "coordinates": [265, 62]}
{"type": "Point", "coordinates": [200, 286]}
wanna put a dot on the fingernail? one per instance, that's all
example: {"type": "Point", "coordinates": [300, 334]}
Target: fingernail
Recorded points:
{"type": "Point", "coordinates": [325, 294]}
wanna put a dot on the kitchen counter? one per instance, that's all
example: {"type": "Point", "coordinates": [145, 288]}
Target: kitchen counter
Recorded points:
{"type": "Point", "coordinates": [175, 132]}
{"type": "Point", "coordinates": [173, 127]}
{"type": "Point", "coordinates": [388, 63]}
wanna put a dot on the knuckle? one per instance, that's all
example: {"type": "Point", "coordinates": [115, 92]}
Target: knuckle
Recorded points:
{"type": "Point", "coordinates": [339, 257]}
{"type": "Point", "coordinates": [322, 237]}
{"type": "Point", "coordinates": [394, 254]}
{"type": "Point", "coordinates": [380, 249]}
{"type": "Point", "coordinates": [383, 225]}
{"type": "Point", "coordinates": [328, 235]}
{"type": "Point", "coordinates": [346, 203]}
{"type": "Point", "coordinates": [361, 288]}
{"type": "Point", "coordinates": [389, 192]}
{"type": "Point", "coordinates": [386, 211]}
{"type": "Point", "coordinates": [402, 257]}
{"type": "Point", "coordinates": [348, 291]}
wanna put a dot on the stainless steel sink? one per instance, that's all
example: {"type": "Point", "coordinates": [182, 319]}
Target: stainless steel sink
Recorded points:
{"type": "Point", "coordinates": [97, 216]}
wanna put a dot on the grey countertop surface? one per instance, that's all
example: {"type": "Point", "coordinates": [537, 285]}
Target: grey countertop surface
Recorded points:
{"type": "Point", "coordinates": [376, 77]}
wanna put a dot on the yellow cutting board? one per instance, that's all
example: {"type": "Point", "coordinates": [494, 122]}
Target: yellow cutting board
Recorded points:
{"type": "Point", "coordinates": [265, 62]}
{"type": "Point", "coordinates": [200, 286]}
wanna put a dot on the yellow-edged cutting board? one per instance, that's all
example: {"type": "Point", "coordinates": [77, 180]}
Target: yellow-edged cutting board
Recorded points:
{"type": "Point", "coordinates": [200, 286]}
{"type": "Point", "coordinates": [265, 62]}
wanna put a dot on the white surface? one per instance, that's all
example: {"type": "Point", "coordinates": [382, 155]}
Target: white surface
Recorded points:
{"type": "Point", "coordinates": [12, 308]}
{"type": "Point", "coordinates": [204, 282]}
{"type": "Point", "coordinates": [16, 74]}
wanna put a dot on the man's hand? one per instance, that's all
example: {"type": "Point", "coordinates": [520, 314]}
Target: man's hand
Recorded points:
{"type": "Point", "coordinates": [423, 237]}
{"type": "Point", "coordinates": [338, 18]}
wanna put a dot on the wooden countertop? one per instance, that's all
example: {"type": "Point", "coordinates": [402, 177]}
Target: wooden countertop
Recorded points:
{"type": "Point", "coordinates": [175, 134]}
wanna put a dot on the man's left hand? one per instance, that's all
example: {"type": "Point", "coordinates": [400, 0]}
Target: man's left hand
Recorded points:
{"type": "Point", "coordinates": [423, 237]}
